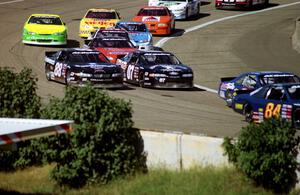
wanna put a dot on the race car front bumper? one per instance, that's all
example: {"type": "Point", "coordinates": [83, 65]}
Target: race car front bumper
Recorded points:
{"type": "Point", "coordinates": [169, 83]}
{"type": "Point", "coordinates": [179, 14]}
{"type": "Point", "coordinates": [45, 39]}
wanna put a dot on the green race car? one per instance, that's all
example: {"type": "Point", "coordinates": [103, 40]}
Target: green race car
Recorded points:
{"type": "Point", "coordinates": [44, 29]}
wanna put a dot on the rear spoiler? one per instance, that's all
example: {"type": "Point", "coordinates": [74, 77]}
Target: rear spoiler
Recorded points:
{"type": "Point", "coordinates": [227, 79]}
{"type": "Point", "coordinates": [49, 53]}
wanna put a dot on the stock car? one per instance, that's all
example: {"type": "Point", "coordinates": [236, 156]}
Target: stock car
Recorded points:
{"type": "Point", "coordinates": [101, 33]}
{"type": "Point", "coordinates": [112, 47]}
{"type": "Point", "coordinates": [76, 66]}
{"type": "Point", "coordinates": [156, 69]}
{"type": "Point", "coordinates": [182, 9]}
{"type": "Point", "coordinates": [273, 100]}
{"type": "Point", "coordinates": [220, 4]}
{"type": "Point", "coordinates": [249, 81]}
{"type": "Point", "coordinates": [97, 18]}
{"type": "Point", "coordinates": [138, 32]}
{"type": "Point", "coordinates": [159, 19]}
{"type": "Point", "coordinates": [44, 29]}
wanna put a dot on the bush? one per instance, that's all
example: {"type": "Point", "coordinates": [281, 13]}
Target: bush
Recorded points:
{"type": "Point", "coordinates": [266, 153]}
{"type": "Point", "coordinates": [18, 99]}
{"type": "Point", "coordinates": [103, 145]}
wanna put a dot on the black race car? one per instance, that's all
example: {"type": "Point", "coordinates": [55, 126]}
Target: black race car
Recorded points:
{"type": "Point", "coordinates": [78, 66]}
{"type": "Point", "coordinates": [157, 69]}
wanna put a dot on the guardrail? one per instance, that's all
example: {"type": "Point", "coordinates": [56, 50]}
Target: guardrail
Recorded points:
{"type": "Point", "coordinates": [296, 35]}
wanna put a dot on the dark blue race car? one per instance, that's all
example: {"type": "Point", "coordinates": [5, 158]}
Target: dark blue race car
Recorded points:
{"type": "Point", "coordinates": [156, 69]}
{"type": "Point", "coordinates": [268, 101]}
{"type": "Point", "coordinates": [138, 32]}
{"type": "Point", "coordinates": [247, 82]}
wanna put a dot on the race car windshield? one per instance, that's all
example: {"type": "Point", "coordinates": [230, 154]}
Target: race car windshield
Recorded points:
{"type": "Point", "coordinates": [45, 20]}
{"type": "Point", "coordinates": [114, 43]}
{"type": "Point", "coordinates": [135, 27]}
{"type": "Point", "coordinates": [278, 79]}
{"type": "Point", "coordinates": [294, 92]}
{"type": "Point", "coordinates": [160, 59]}
{"type": "Point", "coordinates": [112, 34]}
{"type": "Point", "coordinates": [153, 12]}
{"type": "Point", "coordinates": [87, 58]}
{"type": "Point", "coordinates": [101, 15]}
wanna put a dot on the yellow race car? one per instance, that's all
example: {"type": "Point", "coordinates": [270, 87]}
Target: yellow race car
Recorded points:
{"type": "Point", "coordinates": [97, 18]}
{"type": "Point", "coordinates": [44, 29]}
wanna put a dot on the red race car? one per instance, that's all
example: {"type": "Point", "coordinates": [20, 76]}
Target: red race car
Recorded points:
{"type": "Point", "coordinates": [112, 47]}
{"type": "Point", "coordinates": [158, 19]}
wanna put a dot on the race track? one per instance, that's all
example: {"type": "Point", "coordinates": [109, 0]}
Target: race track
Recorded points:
{"type": "Point", "coordinates": [260, 41]}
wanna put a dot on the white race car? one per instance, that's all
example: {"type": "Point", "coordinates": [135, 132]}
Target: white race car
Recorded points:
{"type": "Point", "coordinates": [181, 9]}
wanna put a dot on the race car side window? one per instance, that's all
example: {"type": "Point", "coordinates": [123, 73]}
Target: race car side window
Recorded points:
{"type": "Point", "coordinates": [275, 94]}
{"type": "Point", "coordinates": [240, 81]}
{"type": "Point", "coordinates": [133, 59]}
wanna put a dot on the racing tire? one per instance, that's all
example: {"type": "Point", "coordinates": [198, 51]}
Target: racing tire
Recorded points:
{"type": "Point", "coordinates": [266, 3]}
{"type": "Point", "coordinates": [67, 78]}
{"type": "Point", "coordinates": [47, 72]}
{"type": "Point", "coordinates": [248, 112]}
{"type": "Point", "coordinates": [250, 5]}
{"type": "Point", "coordinates": [141, 80]}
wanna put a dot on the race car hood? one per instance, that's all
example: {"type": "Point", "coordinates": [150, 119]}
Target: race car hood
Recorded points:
{"type": "Point", "coordinates": [152, 19]}
{"type": "Point", "coordinates": [140, 36]}
{"type": "Point", "coordinates": [95, 68]}
{"type": "Point", "coordinates": [45, 29]}
{"type": "Point", "coordinates": [98, 22]}
{"type": "Point", "coordinates": [165, 68]}
{"type": "Point", "coordinates": [115, 51]}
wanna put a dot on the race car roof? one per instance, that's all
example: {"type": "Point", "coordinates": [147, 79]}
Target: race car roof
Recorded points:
{"type": "Point", "coordinates": [271, 73]}
{"type": "Point", "coordinates": [112, 38]}
{"type": "Point", "coordinates": [81, 50]}
{"type": "Point", "coordinates": [154, 7]}
{"type": "Point", "coordinates": [45, 15]}
{"type": "Point", "coordinates": [101, 10]}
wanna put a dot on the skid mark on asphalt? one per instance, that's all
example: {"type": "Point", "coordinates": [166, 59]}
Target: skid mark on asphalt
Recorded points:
{"type": "Point", "coordinates": [162, 41]}
{"type": "Point", "coordinates": [8, 2]}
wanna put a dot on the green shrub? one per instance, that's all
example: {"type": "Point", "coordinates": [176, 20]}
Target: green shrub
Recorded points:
{"type": "Point", "coordinates": [266, 153]}
{"type": "Point", "coordinates": [18, 99]}
{"type": "Point", "coordinates": [103, 145]}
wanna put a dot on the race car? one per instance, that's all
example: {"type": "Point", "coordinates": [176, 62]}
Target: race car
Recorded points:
{"type": "Point", "coordinates": [220, 4]}
{"type": "Point", "coordinates": [112, 47]}
{"type": "Point", "coordinates": [159, 19]}
{"type": "Point", "coordinates": [44, 29]}
{"type": "Point", "coordinates": [138, 32]}
{"type": "Point", "coordinates": [101, 33]}
{"type": "Point", "coordinates": [273, 100]}
{"type": "Point", "coordinates": [182, 9]}
{"type": "Point", "coordinates": [249, 81]}
{"type": "Point", "coordinates": [156, 69]}
{"type": "Point", "coordinates": [97, 18]}
{"type": "Point", "coordinates": [77, 67]}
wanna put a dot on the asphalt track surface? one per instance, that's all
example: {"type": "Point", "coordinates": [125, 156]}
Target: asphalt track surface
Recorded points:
{"type": "Point", "coordinates": [260, 41]}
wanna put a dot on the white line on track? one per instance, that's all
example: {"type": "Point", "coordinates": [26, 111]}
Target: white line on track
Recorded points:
{"type": "Point", "coordinates": [8, 2]}
{"type": "Point", "coordinates": [161, 42]}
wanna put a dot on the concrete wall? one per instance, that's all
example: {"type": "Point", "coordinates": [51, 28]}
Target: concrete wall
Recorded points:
{"type": "Point", "coordinates": [296, 36]}
{"type": "Point", "coordinates": [181, 151]}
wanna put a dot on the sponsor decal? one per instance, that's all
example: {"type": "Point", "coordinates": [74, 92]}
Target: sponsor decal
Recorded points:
{"type": "Point", "coordinates": [151, 19]}
{"type": "Point", "coordinates": [238, 106]}
{"type": "Point", "coordinates": [104, 23]}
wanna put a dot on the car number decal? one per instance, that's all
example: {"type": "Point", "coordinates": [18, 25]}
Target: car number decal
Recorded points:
{"type": "Point", "coordinates": [272, 110]}
{"type": "Point", "coordinates": [129, 72]}
{"type": "Point", "coordinates": [58, 69]}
